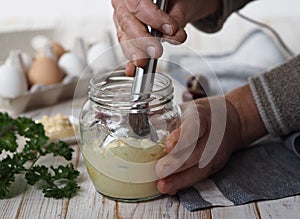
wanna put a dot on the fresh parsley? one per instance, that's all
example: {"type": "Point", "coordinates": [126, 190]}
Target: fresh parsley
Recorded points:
{"type": "Point", "coordinates": [58, 182]}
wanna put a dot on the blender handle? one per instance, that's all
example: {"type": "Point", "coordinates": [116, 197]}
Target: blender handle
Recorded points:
{"type": "Point", "coordinates": [144, 76]}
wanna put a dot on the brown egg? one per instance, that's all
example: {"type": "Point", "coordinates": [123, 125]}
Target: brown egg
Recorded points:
{"type": "Point", "coordinates": [44, 70]}
{"type": "Point", "coordinates": [58, 49]}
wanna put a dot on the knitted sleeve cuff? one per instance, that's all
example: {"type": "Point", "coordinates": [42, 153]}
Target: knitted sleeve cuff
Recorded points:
{"type": "Point", "coordinates": [277, 96]}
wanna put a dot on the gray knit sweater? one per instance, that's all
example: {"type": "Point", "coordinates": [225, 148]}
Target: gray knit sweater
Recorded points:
{"type": "Point", "coordinates": [277, 92]}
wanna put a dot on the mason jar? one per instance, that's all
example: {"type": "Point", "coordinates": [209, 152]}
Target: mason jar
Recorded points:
{"type": "Point", "coordinates": [120, 161]}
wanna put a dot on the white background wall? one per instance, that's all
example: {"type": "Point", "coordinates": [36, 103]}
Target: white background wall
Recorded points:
{"type": "Point", "coordinates": [92, 18]}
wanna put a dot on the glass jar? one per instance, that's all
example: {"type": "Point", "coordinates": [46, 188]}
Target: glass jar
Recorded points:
{"type": "Point", "coordinates": [120, 163]}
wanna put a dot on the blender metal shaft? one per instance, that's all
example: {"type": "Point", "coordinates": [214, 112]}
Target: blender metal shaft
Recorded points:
{"type": "Point", "coordinates": [143, 85]}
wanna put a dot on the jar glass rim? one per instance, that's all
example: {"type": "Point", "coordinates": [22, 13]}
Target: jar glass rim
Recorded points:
{"type": "Point", "coordinates": [113, 90]}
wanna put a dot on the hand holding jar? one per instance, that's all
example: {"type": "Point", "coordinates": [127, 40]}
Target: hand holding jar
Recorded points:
{"type": "Point", "coordinates": [194, 152]}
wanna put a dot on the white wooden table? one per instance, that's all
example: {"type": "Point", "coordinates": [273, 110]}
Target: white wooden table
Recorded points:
{"type": "Point", "coordinates": [28, 202]}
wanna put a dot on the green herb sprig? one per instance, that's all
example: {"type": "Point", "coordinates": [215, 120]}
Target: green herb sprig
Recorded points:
{"type": "Point", "coordinates": [58, 182]}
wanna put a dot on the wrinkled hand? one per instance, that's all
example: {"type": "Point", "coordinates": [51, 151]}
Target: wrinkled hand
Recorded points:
{"type": "Point", "coordinates": [131, 16]}
{"type": "Point", "coordinates": [186, 145]}
{"type": "Point", "coordinates": [211, 130]}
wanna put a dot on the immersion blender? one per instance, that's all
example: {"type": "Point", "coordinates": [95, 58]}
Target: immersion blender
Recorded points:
{"type": "Point", "coordinates": [142, 87]}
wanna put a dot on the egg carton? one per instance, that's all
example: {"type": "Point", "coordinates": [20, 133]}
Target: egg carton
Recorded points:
{"type": "Point", "coordinates": [43, 95]}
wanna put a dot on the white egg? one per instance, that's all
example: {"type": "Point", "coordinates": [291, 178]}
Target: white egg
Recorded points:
{"type": "Point", "coordinates": [27, 61]}
{"type": "Point", "coordinates": [101, 58]}
{"type": "Point", "coordinates": [79, 49]}
{"type": "Point", "coordinates": [15, 59]}
{"type": "Point", "coordinates": [12, 82]}
{"type": "Point", "coordinates": [47, 51]}
{"type": "Point", "coordinates": [71, 64]}
{"type": "Point", "coordinates": [39, 42]}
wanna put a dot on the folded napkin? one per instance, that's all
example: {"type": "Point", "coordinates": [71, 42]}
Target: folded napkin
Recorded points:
{"type": "Point", "coordinates": [268, 170]}
{"type": "Point", "coordinates": [256, 53]}
{"type": "Point", "coordinates": [292, 142]}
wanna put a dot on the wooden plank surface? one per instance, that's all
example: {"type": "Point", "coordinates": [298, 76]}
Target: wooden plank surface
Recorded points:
{"type": "Point", "coordinates": [278, 209]}
{"type": "Point", "coordinates": [248, 211]}
{"type": "Point", "coordinates": [9, 207]}
{"type": "Point", "coordinates": [165, 207]}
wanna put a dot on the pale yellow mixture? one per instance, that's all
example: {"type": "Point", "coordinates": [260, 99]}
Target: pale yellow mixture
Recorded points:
{"type": "Point", "coordinates": [57, 127]}
{"type": "Point", "coordinates": [123, 171]}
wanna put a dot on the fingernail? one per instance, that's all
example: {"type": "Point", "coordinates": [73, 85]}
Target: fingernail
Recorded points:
{"type": "Point", "coordinates": [167, 28]}
{"type": "Point", "coordinates": [151, 51]}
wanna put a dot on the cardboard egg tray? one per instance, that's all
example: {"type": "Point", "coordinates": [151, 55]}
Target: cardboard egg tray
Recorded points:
{"type": "Point", "coordinates": [43, 95]}
{"type": "Point", "coordinates": [47, 96]}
